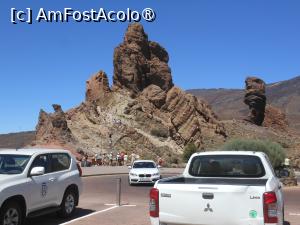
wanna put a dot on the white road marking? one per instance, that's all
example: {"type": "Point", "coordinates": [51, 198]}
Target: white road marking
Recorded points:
{"type": "Point", "coordinates": [98, 212]}
{"type": "Point", "coordinates": [126, 205]}
{"type": "Point", "coordinates": [294, 214]}
{"type": "Point", "coordinates": [92, 214]}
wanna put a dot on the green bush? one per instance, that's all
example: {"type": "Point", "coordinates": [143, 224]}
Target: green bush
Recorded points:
{"type": "Point", "coordinates": [189, 150]}
{"type": "Point", "coordinates": [274, 150]}
{"type": "Point", "coordinates": [160, 132]}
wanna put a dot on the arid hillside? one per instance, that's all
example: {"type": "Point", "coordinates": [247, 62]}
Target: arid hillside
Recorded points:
{"type": "Point", "coordinates": [228, 103]}
{"type": "Point", "coordinates": [16, 140]}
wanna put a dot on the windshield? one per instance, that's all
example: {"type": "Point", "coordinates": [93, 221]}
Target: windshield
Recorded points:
{"type": "Point", "coordinates": [138, 165]}
{"type": "Point", "coordinates": [13, 164]}
{"type": "Point", "coordinates": [226, 166]}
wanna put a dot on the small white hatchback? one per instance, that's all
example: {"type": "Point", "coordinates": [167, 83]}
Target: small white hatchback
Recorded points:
{"type": "Point", "coordinates": [143, 171]}
{"type": "Point", "coordinates": [34, 182]}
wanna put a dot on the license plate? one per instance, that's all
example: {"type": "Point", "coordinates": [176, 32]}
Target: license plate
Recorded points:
{"type": "Point", "coordinates": [144, 179]}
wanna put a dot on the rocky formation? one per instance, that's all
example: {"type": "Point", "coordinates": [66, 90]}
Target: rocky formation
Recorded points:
{"type": "Point", "coordinates": [139, 63]}
{"type": "Point", "coordinates": [53, 127]}
{"type": "Point", "coordinates": [187, 118]}
{"type": "Point", "coordinates": [228, 103]}
{"type": "Point", "coordinates": [275, 118]}
{"type": "Point", "coordinates": [255, 98]}
{"type": "Point", "coordinates": [143, 112]}
{"type": "Point", "coordinates": [97, 88]}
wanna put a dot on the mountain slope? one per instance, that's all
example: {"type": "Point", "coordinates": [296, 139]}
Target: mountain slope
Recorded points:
{"type": "Point", "coordinates": [16, 140]}
{"type": "Point", "coordinates": [228, 103]}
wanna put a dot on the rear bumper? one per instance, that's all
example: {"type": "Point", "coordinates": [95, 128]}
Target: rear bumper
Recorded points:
{"type": "Point", "coordinates": [154, 221]}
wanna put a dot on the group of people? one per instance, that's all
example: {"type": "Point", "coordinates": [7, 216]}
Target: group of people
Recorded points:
{"type": "Point", "coordinates": [109, 159]}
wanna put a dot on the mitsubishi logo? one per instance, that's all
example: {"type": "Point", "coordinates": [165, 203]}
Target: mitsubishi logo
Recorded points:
{"type": "Point", "coordinates": [208, 209]}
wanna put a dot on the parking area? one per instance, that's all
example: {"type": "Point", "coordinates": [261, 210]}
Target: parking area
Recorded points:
{"type": "Point", "coordinates": [99, 196]}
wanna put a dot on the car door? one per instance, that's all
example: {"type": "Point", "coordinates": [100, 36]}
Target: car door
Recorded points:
{"type": "Point", "coordinates": [60, 165]}
{"type": "Point", "coordinates": [42, 189]}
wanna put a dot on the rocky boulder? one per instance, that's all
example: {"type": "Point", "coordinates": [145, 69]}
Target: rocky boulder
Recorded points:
{"type": "Point", "coordinates": [275, 118]}
{"type": "Point", "coordinates": [139, 63]}
{"type": "Point", "coordinates": [255, 98]}
{"type": "Point", "coordinates": [53, 127]}
{"type": "Point", "coordinates": [97, 87]}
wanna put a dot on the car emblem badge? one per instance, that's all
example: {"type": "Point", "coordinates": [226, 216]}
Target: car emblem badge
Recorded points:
{"type": "Point", "coordinates": [208, 209]}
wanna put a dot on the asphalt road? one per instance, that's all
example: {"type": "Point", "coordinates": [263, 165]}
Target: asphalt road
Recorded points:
{"type": "Point", "coordinates": [99, 196]}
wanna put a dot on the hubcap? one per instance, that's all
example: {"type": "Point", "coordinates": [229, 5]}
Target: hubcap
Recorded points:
{"type": "Point", "coordinates": [11, 217]}
{"type": "Point", "coordinates": [70, 203]}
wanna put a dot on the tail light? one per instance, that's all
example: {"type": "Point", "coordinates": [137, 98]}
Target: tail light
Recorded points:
{"type": "Point", "coordinates": [270, 207]}
{"type": "Point", "coordinates": [154, 203]}
{"type": "Point", "coordinates": [79, 169]}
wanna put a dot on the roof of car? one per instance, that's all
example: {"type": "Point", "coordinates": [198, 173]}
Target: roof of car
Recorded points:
{"type": "Point", "coordinates": [229, 153]}
{"type": "Point", "coordinates": [31, 151]}
{"type": "Point", "coordinates": [143, 161]}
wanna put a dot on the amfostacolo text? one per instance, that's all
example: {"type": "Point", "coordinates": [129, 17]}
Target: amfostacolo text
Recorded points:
{"type": "Point", "coordinates": [68, 15]}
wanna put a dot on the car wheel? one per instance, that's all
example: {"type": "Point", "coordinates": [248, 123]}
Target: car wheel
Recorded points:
{"type": "Point", "coordinates": [67, 206]}
{"type": "Point", "coordinates": [11, 214]}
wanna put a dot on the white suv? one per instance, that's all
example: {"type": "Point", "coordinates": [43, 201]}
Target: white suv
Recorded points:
{"type": "Point", "coordinates": [34, 182]}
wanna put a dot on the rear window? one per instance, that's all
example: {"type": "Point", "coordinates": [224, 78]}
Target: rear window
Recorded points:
{"type": "Point", "coordinates": [226, 166]}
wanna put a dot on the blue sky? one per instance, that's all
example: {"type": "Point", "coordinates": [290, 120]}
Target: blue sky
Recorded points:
{"type": "Point", "coordinates": [211, 44]}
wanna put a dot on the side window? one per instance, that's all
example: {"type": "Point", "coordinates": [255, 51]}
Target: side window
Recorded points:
{"type": "Point", "coordinates": [60, 161]}
{"type": "Point", "coordinates": [41, 161]}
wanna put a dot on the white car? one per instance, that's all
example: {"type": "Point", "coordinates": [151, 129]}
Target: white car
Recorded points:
{"type": "Point", "coordinates": [35, 182]}
{"type": "Point", "coordinates": [220, 188]}
{"type": "Point", "coordinates": [143, 171]}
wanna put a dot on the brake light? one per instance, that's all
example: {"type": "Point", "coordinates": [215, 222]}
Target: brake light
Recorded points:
{"type": "Point", "coordinates": [79, 169]}
{"type": "Point", "coordinates": [270, 207]}
{"type": "Point", "coordinates": [154, 203]}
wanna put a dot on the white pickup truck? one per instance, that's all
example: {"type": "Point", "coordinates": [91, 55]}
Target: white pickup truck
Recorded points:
{"type": "Point", "coordinates": [220, 188]}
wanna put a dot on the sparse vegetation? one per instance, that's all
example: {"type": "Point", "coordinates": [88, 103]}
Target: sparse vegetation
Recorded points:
{"type": "Point", "coordinates": [164, 133]}
{"type": "Point", "coordinates": [189, 149]}
{"type": "Point", "coordinates": [274, 150]}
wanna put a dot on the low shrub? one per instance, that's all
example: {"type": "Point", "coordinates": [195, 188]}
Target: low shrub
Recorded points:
{"type": "Point", "coordinates": [274, 150]}
{"type": "Point", "coordinates": [189, 149]}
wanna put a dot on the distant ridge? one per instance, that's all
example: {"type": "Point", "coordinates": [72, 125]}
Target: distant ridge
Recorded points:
{"type": "Point", "coordinates": [228, 103]}
{"type": "Point", "coordinates": [16, 140]}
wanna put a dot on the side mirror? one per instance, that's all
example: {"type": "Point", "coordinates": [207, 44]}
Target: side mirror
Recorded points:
{"type": "Point", "coordinates": [159, 166]}
{"type": "Point", "coordinates": [37, 171]}
{"type": "Point", "coordinates": [129, 167]}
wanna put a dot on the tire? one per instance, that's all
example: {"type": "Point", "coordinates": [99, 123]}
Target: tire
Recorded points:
{"type": "Point", "coordinates": [68, 204]}
{"type": "Point", "coordinates": [11, 214]}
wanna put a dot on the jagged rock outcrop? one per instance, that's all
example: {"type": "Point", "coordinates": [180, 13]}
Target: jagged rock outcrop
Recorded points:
{"type": "Point", "coordinates": [53, 127]}
{"type": "Point", "coordinates": [275, 118]}
{"type": "Point", "coordinates": [255, 98]}
{"type": "Point", "coordinates": [187, 118]}
{"type": "Point", "coordinates": [97, 87]}
{"type": "Point", "coordinates": [139, 63]}
{"type": "Point", "coordinates": [143, 112]}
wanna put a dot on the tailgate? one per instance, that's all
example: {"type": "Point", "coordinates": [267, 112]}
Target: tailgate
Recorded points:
{"type": "Point", "coordinates": [212, 201]}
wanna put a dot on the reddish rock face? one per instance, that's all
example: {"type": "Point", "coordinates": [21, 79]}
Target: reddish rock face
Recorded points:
{"type": "Point", "coordinates": [97, 87]}
{"type": "Point", "coordinates": [53, 127]}
{"type": "Point", "coordinates": [255, 98]}
{"type": "Point", "coordinates": [139, 63]}
{"type": "Point", "coordinates": [275, 118]}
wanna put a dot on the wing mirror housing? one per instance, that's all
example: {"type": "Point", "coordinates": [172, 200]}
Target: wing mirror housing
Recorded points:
{"type": "Point", "coordinates": [129, 167]}
{"type": "Point", "coordinates": [37, 171]}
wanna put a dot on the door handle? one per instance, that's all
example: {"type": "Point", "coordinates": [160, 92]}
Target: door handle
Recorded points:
{"type": "Point", "coordinates": [52, 179]}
